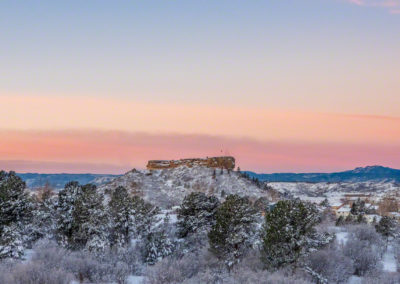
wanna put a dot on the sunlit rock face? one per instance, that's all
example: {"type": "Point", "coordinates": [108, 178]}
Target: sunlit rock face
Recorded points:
{"type": "Point", "coordinates": [225, 162]}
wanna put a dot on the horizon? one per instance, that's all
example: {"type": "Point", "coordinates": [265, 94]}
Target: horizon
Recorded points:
{"type": "Point", "coordinates": [243, 170]}
{"type": "Point", "coordinates": [284, 86]}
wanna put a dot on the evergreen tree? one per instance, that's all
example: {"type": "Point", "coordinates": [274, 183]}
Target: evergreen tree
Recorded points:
{"type": "Point", "coordinates": [43, 221]}
{"type": "Point", "coordinates": [82, 221]}
{"type": "Point", "coordinates": [288, 232]}
{"type": "Point", "coordinates": [67, 199]}
{"type": "Point", "coordinates": [325, 203]}
{"type": "Point", "coordinates": [15, 204]}
{"type": "Point", "coordinates": [358, 207]}
{"type": "Point", "coordinates": [361, 219]}
{"type": "Point", "coordinates": [122, 221]}
{"type": "Point", "coordinates": [11, 242]}
{"type": "Point", "coordinates": [144, 216]}
{"type": "Point", "coordinates": [340, 221]}
{"type": "Point", "coordinates": [15, 213]}
{"type": "Point", "coordinates": [233, 230]}
{"type": "Point", "coordinates": [90, 221]}
{"type": "Point", "coordinates": [156, 247]}
{"type": "Point", "coordinates": [386, 227]}
{"type": "Point", "coordinates": [196, 212]}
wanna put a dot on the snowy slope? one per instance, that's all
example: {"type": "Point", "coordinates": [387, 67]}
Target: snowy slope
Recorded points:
{"type": "Point", "coordinates": [168, 187]}
{"type": "Point", "coordinates": [317, 192]}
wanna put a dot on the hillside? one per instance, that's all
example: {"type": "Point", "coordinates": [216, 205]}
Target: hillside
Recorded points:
{"type": "Point", "coordinates": [361, 174]}
{"type": "Point", "coordinates": [167, 187]}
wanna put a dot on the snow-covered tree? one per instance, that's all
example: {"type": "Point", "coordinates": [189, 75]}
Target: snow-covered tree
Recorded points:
{"type": "Point", "coordinates": [15, 213]}
{"type": "Point", "coordinates": [67, 199]}
{"type": "Point", "coordinates": [386, 227]}
{"type": "Point", "coordinates": [122, 221]}
{"type": "Point", "coordinates": [358, 207]}
{"type": "Point", "coordinates": [144, 216]}
{"type": "Point", "coordinates": [82, 221]}
{"type": "Point", "coordinates": [11, 242]}
{"type": "Point", "coordinates": [156, 247]}
{"type": "Point", "coordinates": [197, 211]}
{"type": "Point", "coordinates": [234, 229]}
{"type": "Point", "coordinates": [91, 221]}
{"type": "Point", "coordinates": [43, 221]}
{"type": "Point", "coordinates": [289, 232]}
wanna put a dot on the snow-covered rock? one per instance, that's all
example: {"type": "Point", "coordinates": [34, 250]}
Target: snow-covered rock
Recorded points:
{"type": "Point", "coordinates": [168, 187]}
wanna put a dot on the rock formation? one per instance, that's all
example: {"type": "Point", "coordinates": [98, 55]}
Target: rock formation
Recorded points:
{"type": "Point", "coordinates": [225, 162]}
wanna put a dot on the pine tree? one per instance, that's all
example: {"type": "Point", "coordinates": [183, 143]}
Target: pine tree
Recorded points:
{"type": "Point", "coordinates": [197, 211]}
{"type": "Point", "coordinates": [358, 207]}
{"type": "Point", "coordinates": [122, 221]}
{"type": "Point", "coordinates": [233, 230]}
{"type": "Point", "coordinates": [325, 203]}
{"type": "Point", "coordinates": [15, 204]}
{"type": "Point", "coordinates": [67, 199]}
{"type": "Point", "coordinates": [361, 219]}
{"type": "Point", "coordinates": [340, 221]}
{"type": "Point", "coordinates": [144, 216]}
{"type": "Point", "coordinates": [15, 213]}
{"type": "Point", "coordinates": [90, 220]}
{"type": "Point", "coordinates": [386, 227]}
{"type": "Point", "coordinates": [156, 247]}
{"type": "Point", "coordinates": [288, 232]}
{"type": "Point", "coordinates": [11, 242]}
{"type": "Point", "coordinates": [43, 221]}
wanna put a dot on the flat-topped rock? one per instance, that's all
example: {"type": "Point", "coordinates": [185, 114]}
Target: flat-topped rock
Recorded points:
{"type": "Point", "coordinates": [225, 162]}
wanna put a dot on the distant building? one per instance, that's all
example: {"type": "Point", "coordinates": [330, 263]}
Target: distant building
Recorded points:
{"type": "Point", "coordinates": [343, 211]}
{"type": "Point", "coordinates": [336, 206]}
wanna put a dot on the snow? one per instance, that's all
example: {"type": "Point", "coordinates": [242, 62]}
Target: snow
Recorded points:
{"type": "Point", "coordinates": [334, 192]}
{"type": "Point", "coordinates": [344, 209]}
{"type": "Point", "coordinates": [389, 261]}
{"type": "Point", "coordinates": [355, 280]}
{"type": "Point", "coordinates": [166, 188]}
{"type": "Point", "coordinates": [28, 254]}
{"type": "Point", "coordinates": [134, 279]}
{"type": "Point", "coordinates": [342, 237]}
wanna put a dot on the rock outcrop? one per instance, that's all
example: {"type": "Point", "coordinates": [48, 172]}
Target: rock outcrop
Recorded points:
{"type": "Point", "coordinates": [225, 162]}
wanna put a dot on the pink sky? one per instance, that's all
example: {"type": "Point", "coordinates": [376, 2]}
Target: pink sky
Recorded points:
{"type": "Point", "coordinates": [40, 134]}
{"type": "Point", "coordinates": [282, 85]}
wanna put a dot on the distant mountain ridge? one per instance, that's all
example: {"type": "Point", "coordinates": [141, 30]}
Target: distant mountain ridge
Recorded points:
{"type": "Point", "coordinates": [57, 181]}
{"type": "Point", "coordinates": [360, 174]}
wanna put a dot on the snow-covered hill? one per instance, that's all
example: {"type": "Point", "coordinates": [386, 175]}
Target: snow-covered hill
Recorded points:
{"type": "Point", "coordinates": [333, 191]}
{"type": "Point", "coordinates": [168, 187]}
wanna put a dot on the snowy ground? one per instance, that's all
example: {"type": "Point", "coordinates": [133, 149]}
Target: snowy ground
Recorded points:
{"type": "Point", "coordinates": [389, 261]}
{"type": "Point", "coordinates": [134, 279]}
{"type": "Point", "coordinates": [168, 187]}
{"type": "Point", "coordinates": [334, 192]}
{"type": "Point", "coordinates": [342, 237]}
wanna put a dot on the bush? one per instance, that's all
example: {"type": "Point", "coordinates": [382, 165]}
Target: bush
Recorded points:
{"type": "Point", "coordinates": [53, 264]}
{"type": "Point", "coordinates": [34, 273]}
{"type": "Point", "coordinates": [366, 257]}
{"type": "Point", "coordinates": [175, 270]}
{"type": "Point", "coordinates": [332, 265]}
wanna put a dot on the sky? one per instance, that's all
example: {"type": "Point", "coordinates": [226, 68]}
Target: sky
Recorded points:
{"type": "Point", "coordinates": [284, 86]}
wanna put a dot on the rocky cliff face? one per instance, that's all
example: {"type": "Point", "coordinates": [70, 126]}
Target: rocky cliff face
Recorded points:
{"type": "Point", "coordinates": [226, 162]}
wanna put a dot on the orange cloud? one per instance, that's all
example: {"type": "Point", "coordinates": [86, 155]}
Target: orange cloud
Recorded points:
{"type": "Point", "coordinates": [117, 152]}
{"type": "Point", "coordinates": [264, 124]}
